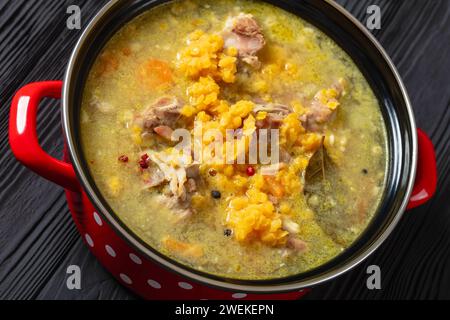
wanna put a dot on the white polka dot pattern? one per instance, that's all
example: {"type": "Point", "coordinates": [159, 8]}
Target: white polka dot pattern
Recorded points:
{"type": "Point", "coordinates": [110, 251]}
{"type": "Point", "coordinates": [125, 278]}
{"type": "Point", "coordinates": [135, 258]}
{"type": "Point", "coordinates": [89, 240]}
{"type": "Point", "coordinates": [154, 284]}
{"type": "Point", "coordinates": [185, 285]}
{"type": "Point", "coordinates": [97, 219]}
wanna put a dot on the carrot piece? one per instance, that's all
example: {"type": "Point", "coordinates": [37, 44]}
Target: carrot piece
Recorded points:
{"type": "Point", "coordinates": [274, 187]}
{"type": "Point", "coordinates": [107, 63]}
{"type": "Point", "coordinates": [182, 248]}
{"type": "Point", "coordinates": [156, 72]}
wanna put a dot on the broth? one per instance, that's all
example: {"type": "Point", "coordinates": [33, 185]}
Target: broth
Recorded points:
{"type": "Point", "coordinates": [234, 65]}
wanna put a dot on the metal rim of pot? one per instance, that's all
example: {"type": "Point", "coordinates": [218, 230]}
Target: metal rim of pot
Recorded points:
{"type": "Point", "coordinates": [72, 87]}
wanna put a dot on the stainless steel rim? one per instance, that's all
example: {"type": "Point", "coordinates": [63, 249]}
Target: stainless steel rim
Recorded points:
{"type": "Point", "coordinates": [203, 279]}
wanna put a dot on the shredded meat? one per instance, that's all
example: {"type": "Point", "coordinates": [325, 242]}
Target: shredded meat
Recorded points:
{"type": "Point", "coordinates": [191, 185]}
{"type": "Point", "coordinates": [181, 208]}
{"type": "Point", "coordinates": [156, 177]}
{"type": "Point", "coordinates": [193, 171]}
{"type": "Point", "coordinates": [275, 114]}
{"type": "Point", "coordinates": [297, 244]}
{"type": "Point", "coordinates": [164, 131]}
{"type": "Point", "coordinates": [244, 34]}
{"type": "Point", "coordinates": [179, 203]}
{"type": "Point", "coordinates": [316, 117]}
{"type": "Point", "coordinates": [175, 177]}
{"type": "Point", "coordinates": [182, 183]}
{"type": "Point", "coordinates": [274, 108]}
{"type": "Point", "coordinates": [319, 114]}
{"type": "Point", "coordinates": [164, 112]}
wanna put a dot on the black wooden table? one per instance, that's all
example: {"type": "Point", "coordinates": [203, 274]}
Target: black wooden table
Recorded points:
{"type": "Point", "coordinates": [38, 239]}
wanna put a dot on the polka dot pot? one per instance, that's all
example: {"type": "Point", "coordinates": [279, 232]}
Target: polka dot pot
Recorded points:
{"type": "Point", "coordinates": [138, 273]}
{"type": "Point", "coordinates": [411, 184]}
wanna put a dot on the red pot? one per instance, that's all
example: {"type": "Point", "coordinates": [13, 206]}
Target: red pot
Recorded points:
{"type": "Point", "coordinates": [154, 276]}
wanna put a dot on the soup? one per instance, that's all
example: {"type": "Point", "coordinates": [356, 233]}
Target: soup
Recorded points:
{"type": "Point", "coordinates": [234, 137]}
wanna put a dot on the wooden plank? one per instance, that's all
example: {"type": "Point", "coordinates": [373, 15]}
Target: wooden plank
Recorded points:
{"type": "Point", "coordinates": [38, 240]}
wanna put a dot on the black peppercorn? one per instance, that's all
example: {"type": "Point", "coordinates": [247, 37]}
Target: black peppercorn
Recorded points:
{"type": "Point", "coordinates": [365, 171]}
{"type": "Point", "coordinates": [227, 232]}
{"type": "Point", "coordinates": [216, 194]}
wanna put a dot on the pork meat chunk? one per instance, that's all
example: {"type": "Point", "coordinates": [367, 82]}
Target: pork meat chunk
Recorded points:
{"type": "Point", "coordinates": [276, 112]}
{"type": "Point", "coordinates": [244, 33]}
{"type": "Point", "coordinates": [162, 114]}
{"type": "Point", "coordinates": [323, 107]}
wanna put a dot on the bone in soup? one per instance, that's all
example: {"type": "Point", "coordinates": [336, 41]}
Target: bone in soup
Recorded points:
{"type": "Point", "coordinates": [216, 66]}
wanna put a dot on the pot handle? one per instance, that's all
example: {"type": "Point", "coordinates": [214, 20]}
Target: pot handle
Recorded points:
{"type": "Point", "coordinates": [23, 136]}
{"type": "Point", "coordinates": [426, 175]}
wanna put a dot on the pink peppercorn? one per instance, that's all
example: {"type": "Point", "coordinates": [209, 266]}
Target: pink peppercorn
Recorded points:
{"type": "Point", "coordinates": [250, 171]}
{"type": "Point", "coordinates": [143, 162]}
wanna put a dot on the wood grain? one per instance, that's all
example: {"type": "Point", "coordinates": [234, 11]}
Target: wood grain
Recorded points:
{"type": "Point", "coordinates": [38, 240]}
